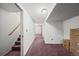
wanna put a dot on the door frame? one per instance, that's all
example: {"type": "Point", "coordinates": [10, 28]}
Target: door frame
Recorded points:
{"type": "Point", "coordinates": [21, 27]}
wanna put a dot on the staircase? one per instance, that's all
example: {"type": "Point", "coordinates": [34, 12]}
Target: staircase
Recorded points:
{"type": "Point", "coordinates": [16, 48]}
{"type": "Point", "coordinates": [17, 44]}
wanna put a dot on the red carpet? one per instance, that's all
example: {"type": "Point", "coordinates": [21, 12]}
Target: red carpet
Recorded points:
{"type": "Point", "coordinates": [39, 48]}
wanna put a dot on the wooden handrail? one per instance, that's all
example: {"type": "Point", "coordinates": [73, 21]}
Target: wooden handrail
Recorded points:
{"type": "Point", "coordinates": [14, 30]}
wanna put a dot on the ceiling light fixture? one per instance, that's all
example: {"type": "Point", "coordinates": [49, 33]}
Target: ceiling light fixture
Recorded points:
{"type": "Point", "coordinates": [44, 11]}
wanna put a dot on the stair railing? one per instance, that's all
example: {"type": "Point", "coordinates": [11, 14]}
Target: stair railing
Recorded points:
{"type": "Point", "coordinates": [14, 30]}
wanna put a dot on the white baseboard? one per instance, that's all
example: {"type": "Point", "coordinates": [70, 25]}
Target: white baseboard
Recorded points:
{"type": "Point", "coordinates": [6, 52]}
{"type": "Point", "coordinates": [29, 46]}
{"type": "Point", "coordinates": [53, 42]}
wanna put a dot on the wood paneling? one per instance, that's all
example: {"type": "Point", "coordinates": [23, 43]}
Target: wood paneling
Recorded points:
{"type": "Point", "coordinates": [74, 41]}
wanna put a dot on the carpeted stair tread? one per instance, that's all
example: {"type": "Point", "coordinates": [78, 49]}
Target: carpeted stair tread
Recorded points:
{"type": "Point", "coordinates": [18, 39]}
{"type": "Point", "coordinates": [16, 47]}
{"type": "Point", "coordinates": [17, 43]}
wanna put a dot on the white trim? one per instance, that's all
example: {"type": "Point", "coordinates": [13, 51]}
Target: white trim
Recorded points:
{"type": "Point", "coordinates": [29, 46]}
{"type": "Point", "coordinates": [21, 30]}
{"type": "Point", "coordinates": [53, 42]}
{"type": "Point", "coordinates": [21, 26]}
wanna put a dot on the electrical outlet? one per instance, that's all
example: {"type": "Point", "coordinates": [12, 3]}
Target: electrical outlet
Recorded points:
{"type": "Point", "coordinates": [52, 39]}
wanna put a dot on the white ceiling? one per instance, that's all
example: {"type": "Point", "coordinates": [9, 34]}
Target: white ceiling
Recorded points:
{"type": "Point", "coordinates": [34, 9]}
{"type": "Point", "coordinates": [64, 11]}
{"type": "Point", "coordinates": [10, 7]}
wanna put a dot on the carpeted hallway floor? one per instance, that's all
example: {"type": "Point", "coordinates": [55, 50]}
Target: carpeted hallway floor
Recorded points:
{"type": "Point", "coordinates": [39, 48]}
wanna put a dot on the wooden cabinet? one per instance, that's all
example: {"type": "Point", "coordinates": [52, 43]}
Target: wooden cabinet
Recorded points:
{"type": "Point", "coordinates": [74, 41]}
{"type": "Point", "coordinates": [66, 44]}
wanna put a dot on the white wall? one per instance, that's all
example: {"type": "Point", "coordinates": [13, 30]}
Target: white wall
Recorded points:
{"type": "Point", "coordinates": [28, 26]}
{"type": "Point", "coordinates": [53, 31]}
{"type": "Point", "coordinates": [8, 21]}
{"type": "Point", "coordinates": [38, 28]}
{"type": "Point", "coordinates": [58, 31]}
{"type": "Point", "coordinates": [70, 24]}
{"type": "Point", "coordinates": [28, 30]}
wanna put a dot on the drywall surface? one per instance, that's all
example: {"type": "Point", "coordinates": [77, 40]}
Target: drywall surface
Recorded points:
{"type": "Point", "coordinates": [28, 30]}
{"type": "Point", "coordinates": [8, 21]}
{"type": "Point", "coordinates": [70, 24]}
{"type": "Point", "coordinates": [53, 32]}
